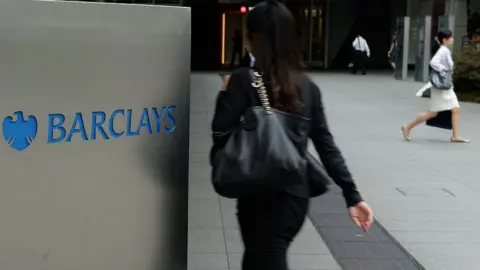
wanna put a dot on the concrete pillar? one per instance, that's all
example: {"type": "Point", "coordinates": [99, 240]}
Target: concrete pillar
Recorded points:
{"type": "Point", "coordinates": [458, 9]}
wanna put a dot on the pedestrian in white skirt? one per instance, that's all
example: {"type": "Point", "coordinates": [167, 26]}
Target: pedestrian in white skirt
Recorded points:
{"type": "Point", "coordinates": [440, 100]}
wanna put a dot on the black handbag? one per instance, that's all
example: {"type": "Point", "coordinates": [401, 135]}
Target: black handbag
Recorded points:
{"type": "Point", "coordinates": [443, 120]}
{"type": "Point", "coordinates": [317, 178]}
{"type": "Point", "coordinates": [265, 153]}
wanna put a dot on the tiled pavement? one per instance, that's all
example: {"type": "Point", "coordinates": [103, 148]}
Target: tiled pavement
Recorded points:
{"type": "Point", "coordinates": [353, 248]}
{"type": "Point", "coordinates": [426, 197]}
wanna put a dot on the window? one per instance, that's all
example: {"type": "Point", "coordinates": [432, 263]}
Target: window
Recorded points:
{"type": "Point", "coordinates": [473, 24]}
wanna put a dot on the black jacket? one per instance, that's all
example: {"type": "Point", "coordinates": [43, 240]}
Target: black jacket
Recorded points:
{"type": "Point", "coordinates": [232, 104]}
{"type": "Point", "coordinates": [246, 61]}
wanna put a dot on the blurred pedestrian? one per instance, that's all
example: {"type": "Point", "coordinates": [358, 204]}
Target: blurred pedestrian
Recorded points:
{"type": "Point", "coordinates": [237, 48]}
{"type": "Point", "coordinates": [392, 52]}
{"type": "Point", "coordinates": [441, 100]}
{"type": "Point", "coordinates": [269, 219]}
{"type": "Point", "coordinates": [361, 53]}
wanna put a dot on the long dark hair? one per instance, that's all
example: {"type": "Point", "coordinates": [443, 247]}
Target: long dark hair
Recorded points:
{"type": "Point", "coordinates": [439, 40]}
{"type": "Point", "coordinates": [276, 46]}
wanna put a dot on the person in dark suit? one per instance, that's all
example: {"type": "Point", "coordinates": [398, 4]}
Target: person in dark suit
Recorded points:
{"type": "Point", "coordinates": [269, 221]}
{"type": "Point", "coordinates": [237, 48]}
{"type": "Point", "coordinates": [246, 60]}
{"type": "Point", "coordinates": [361, 53]}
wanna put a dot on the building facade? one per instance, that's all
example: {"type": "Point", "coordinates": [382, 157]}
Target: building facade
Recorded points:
{"type": "Point", "coordinates": [473, 20]}
{"type": "Point", "coordinates": [465, 12]}
{"type": "Point", "coordinates": [326, 27]}
{"type": "Point", "coordinates": [137, 2]}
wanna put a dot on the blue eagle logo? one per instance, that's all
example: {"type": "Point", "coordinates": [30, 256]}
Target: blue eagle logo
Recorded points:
{"type": "Point", "coordinates": [20, 133]}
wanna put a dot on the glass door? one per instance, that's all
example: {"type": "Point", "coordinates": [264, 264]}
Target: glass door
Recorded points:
{"type": "Point", "coordinates": [316, 34]}
{"type": "Point", "coordinates": [310, 23]}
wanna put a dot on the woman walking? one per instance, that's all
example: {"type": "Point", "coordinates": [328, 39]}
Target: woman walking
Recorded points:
{"type": "Point", "coordinates": [392, 52]}
{"type": "Point", "coordinates": [440, 100]}
{"type": "Point", "coordinates": [269, 221]}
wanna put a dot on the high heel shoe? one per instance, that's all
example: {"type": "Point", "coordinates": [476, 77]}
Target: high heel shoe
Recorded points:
{"type": "Point", "coordinates": [404, 133]}
{"type": "Point", "coordinates": [460, 140]}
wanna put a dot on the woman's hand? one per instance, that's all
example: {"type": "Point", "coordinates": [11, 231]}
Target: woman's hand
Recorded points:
{"type": "Point", "coordinates": [362, 215]}
{"type": "Point", "coordinates": [226, 79]}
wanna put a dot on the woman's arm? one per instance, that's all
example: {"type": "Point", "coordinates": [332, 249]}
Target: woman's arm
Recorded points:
{"type": "Point", "coordinates": [436, 62]}
{"type": "Point", "coordinates": [367, 48]}
{"type": "Point", "coordinates": [230, 106]}
{"type": "Point", "coordinates": [330, 154]}
{"type": "Point", "coordinates": [391, 49]}
{"type": "Point", "coordinates": [450, 61]}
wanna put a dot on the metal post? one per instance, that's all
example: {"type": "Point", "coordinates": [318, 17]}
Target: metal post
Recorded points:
{"type": "Point", "coordinates": [446, 22]}
{"type": "Point", "coordinates": [422, 59]}
{"type": "Point", "coordinates": [452, 4]}
{"type": "Point", "coordinates": [310, 30]}
{"type": "Point", "coordinates": [326, 27]}
{"type": "Point", "coordinates": [403, 40]}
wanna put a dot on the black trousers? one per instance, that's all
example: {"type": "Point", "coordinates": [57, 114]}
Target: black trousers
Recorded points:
{"type": "Point", "coordinates": [268, 225]}
{"type": "Point", "coordinates": [359, 61]}
{"type": "Point", "coordinates": [235, 53]}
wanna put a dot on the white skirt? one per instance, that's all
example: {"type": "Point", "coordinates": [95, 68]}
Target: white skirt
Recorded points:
{"type": "Point", "coordinates": [440, 100]}
{"type": "Point", "coordinates": [443, 100]}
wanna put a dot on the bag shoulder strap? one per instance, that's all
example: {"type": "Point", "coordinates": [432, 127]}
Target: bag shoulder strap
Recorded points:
{"type": "Point", "coordinates": [257, 83]}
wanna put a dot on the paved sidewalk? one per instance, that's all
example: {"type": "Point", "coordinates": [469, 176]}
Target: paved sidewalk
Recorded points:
{"type": "Point", "coordinates": [426, 192]}
{"type": "Point", "coordinates": [214, 240]}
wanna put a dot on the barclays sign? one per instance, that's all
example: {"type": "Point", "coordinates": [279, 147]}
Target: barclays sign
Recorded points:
{"type": "Point", "coordinates": [20, 133]}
